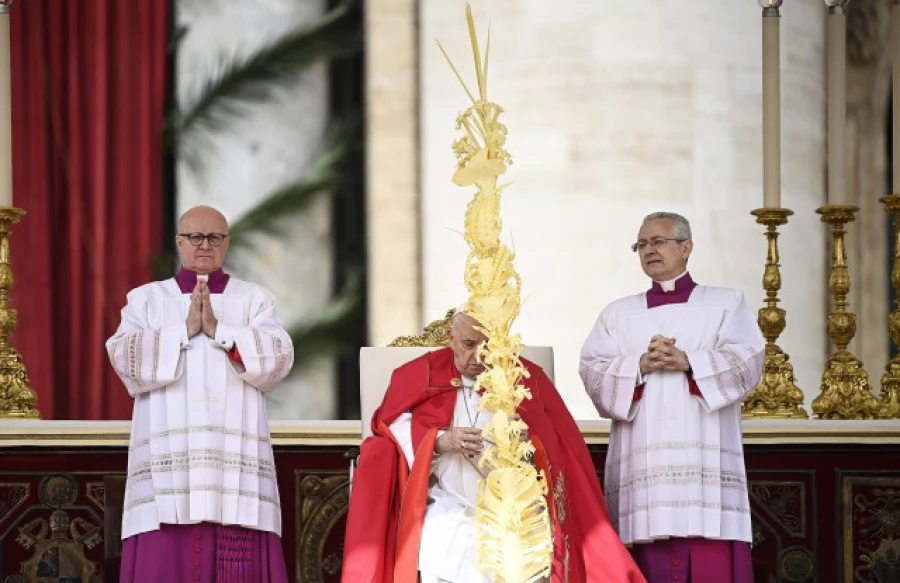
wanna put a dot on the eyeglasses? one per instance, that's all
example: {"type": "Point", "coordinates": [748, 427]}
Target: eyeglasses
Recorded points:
{"type": "Point", "coordinates": [196, 239]}
{"type": "Point", "coordinates": [654, 243]}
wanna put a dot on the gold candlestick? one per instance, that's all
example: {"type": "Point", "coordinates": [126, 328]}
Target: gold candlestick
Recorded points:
{"type": "Point", "coordinates": [776, 396]}
{"type": "Point", "coordinates": [845, 385]}
{"type": "Point", "coordinates": [890, 381]}
{"type": "Point", "coordinates": [17, 399]}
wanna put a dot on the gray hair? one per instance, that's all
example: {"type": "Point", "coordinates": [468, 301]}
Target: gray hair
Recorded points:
{"type": "Point", "coordinates": [682, 226]}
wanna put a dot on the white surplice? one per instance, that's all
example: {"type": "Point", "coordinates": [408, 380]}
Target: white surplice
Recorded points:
{"type": "Point", "coordinates": [675, 466]}
{"type": "Point", "coordinates": [447, 550]}
{"type": "Point", "coordinates": [200, 449]}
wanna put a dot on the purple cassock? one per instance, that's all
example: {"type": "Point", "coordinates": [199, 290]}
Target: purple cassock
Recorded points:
{"type": "Point", "coordinates": [690, 560]}
{"type": "Point", "coordinates": [205, 552]}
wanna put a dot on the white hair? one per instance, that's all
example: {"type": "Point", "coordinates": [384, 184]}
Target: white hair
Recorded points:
{"type": "Point", "coordinates": [682, 226]}
{"type": "Point", "coordinates": [458, 314]}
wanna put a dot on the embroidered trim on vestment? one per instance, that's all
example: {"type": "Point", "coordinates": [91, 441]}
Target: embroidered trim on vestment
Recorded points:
{"type": "Point", "coordinates": [686, 504]}
{"type": "Point", "coordinates": [673, 446]}
{"type": "Point", "coordinates": [182, 461]}
{"type": "Point", "coordinates": [257, 342]}
{"type": "Point", "coordinates": [156, 340]}
{"type": "Point", "coordinates": [677, 475]}
{"type": "Point", "coordinates": [202, 488]}
{"type": "Point", "coordinates": [199, 429]}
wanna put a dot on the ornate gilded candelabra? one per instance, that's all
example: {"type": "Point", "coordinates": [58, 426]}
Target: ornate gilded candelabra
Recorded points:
{"type": "Point", "coordinates": [845, 385]}
{"type": "Point", "coordinates": [890, 381]}
{"type": "Point", "coordinates": [776, 396]}
{"type": "Point", "coordinates": [17, 399]}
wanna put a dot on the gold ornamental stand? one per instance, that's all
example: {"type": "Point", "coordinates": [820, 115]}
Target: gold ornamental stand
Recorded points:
{"type": "Point", "coordinates": [776, 396]}
{"type": "Point", "coordinates": [17, 399]}
{"type": "Point", "coordinates": [845, 392]}
{"type": "Point", "coordinates": [890, 380]}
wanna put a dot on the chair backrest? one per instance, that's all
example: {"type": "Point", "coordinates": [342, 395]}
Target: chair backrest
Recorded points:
{"type": "Point", "coordinates": [376, 364]}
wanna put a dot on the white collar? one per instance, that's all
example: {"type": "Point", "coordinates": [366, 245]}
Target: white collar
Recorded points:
{"type": "Point", "coordinates": [669, 285]}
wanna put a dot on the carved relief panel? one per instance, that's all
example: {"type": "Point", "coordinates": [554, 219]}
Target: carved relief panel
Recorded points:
{"type": "Point", "coordinates": [51, 528]}
{"type": "Point", "coordinates": [322, 501]}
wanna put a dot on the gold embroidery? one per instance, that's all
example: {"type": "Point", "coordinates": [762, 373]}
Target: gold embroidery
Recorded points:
{"type": "Point", "coordinates": [559, 499]}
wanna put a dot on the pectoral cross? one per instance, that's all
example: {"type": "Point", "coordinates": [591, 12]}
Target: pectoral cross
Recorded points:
{"type": "Point", "coordinates": [665, 418]}
{"type": "Point", "coordinates": [207, 400]}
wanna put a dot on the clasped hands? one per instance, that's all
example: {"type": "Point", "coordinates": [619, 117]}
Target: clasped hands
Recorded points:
{"type": "Point", "coordinates": [468, 440]}
{"type": "Point", "coordinates": [200, 316]}
{"type": "Point", "coordinates": [662, 355]}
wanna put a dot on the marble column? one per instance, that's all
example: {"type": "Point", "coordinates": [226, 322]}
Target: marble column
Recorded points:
{"type": "Point", "coordinates": [868, 93]}
{"type": "Point", "coordinates": [392, 162]}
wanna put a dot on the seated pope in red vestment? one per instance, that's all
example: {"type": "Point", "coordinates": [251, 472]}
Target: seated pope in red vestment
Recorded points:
{"type": "Point", "coordinates": [412, 508]}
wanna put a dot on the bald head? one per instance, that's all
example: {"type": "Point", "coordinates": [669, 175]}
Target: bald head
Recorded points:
{"type": "Point", "coordinates": [207, 256]}
{"type": "Point", "coordinates": [204, 214]}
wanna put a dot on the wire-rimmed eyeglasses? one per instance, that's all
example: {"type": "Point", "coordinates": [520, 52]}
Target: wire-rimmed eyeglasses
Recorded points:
{"type": "Point", "coordinates": [654, 243]}
{"type": "Point", "coordinates": [196, 239]}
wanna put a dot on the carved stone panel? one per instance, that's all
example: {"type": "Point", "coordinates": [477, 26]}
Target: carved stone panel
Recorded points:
{"type": "Point", "coordinates": [323, 498]}
{"type": "Point", "coordinates": [12, 496]}
{"type": "Point", "coordinates": [785, 535]}
{"type": "Point", "coordinates": [870, 523]}
{"type": "Point", "coordinates": [50, 529]}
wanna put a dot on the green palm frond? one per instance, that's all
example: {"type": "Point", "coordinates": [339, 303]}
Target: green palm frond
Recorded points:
{"type": "Point", "coordinates": [255, 79]}
{"type": "Point", "coordinates": [332, 331]}
{"type": "Point", "coordinates": [322, 178]}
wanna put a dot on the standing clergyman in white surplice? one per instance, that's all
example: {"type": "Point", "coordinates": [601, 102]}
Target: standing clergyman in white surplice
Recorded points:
{"type": "Point", "coordinates": [670, 367]}
{"type": "Point", "coordinates": [197, 352]}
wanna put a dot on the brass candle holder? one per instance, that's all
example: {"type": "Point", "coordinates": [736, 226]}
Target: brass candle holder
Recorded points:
{"type": "Point", "coordinates": [776, 396]}
{"type": "Point", "coordinates": [17, 399]}
{"type": "Point", "coordinates": [845, 392]}
{"type": "Point", "coordinates": [890, 380]}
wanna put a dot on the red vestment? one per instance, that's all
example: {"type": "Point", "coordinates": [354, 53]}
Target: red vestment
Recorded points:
{"type": "Point", "coordinates": [388, 502]}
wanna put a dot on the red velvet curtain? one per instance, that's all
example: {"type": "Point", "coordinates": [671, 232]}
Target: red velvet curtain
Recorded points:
{"type": "Point", "coordinates": [88, 94]}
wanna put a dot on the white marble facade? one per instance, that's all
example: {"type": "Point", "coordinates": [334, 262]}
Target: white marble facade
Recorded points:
{"type": "Point", "coordinates": [616, 110]}
{"type": "Point", "coordinates": [271, 146]}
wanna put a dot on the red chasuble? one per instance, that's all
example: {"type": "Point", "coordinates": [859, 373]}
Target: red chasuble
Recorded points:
{"type": "Point", "coordinates": [387, 507]}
